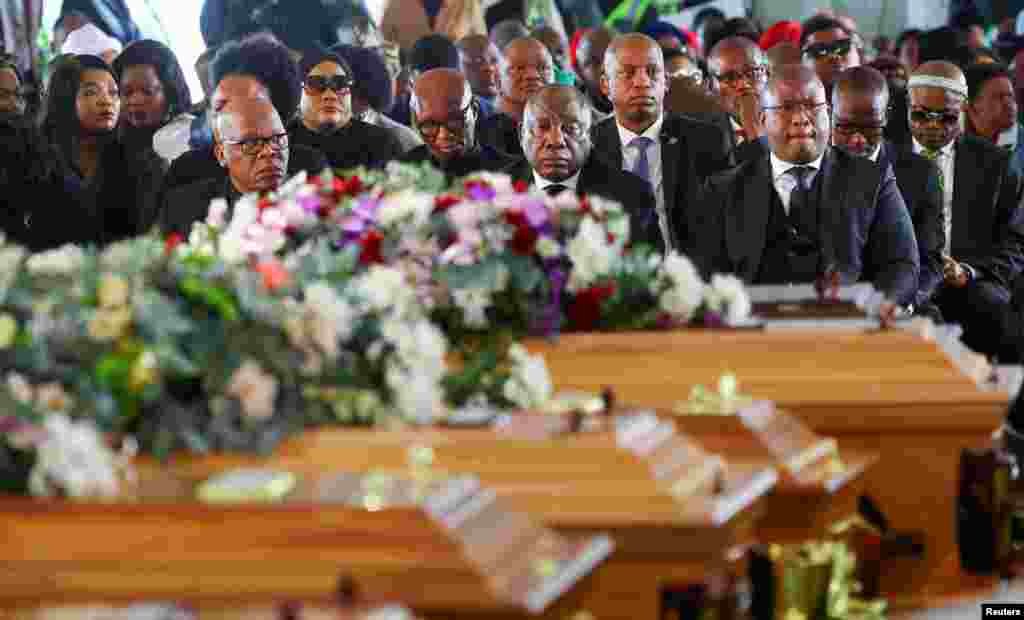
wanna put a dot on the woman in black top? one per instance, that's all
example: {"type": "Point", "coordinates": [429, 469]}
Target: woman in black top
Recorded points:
{"type": "Point", "coordinates": [82, 112]}
{"type": "Point", "coordinates": [153, 92]}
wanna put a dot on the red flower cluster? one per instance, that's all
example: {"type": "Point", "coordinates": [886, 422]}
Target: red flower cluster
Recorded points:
{"type": "Point", "coordinates": [525, 237]}
{"type": "Point", "coordinates": [585, 309]}
{"type": "Point", "coordinates": [520, 186]}
{"type": "Point", "coordinates": [445, 201]}
{"type": "Point", "coordinates": [370, 243]}
{"type": "Point", "coordinates": [172, 241]}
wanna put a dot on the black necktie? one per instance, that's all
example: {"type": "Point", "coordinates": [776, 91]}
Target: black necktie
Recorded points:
{"type": "Point", "coordinates": [555, 189]}
{"type": "Point", "coordinates": [800, 199]}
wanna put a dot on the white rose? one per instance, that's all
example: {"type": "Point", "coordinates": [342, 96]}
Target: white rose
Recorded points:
{"type": "Point", "coordinates": [406, 205]}
{"type": "Point", "coordinates": [529, 385]}
{"type": "Point", "coordinates": [255, 389]}
{"type": "Point", "coordinates": [60, 262]}
{"type": "Point", "coordinates": [73, 458]}
{"type": "Point", "coordinates": [384, 288]}
{"type": "Point", "coordinates": [685, 291]}
{"type": "Point", "coordinates": [590, 253]}
{"type": "Point", "coordinates": [730, 296]}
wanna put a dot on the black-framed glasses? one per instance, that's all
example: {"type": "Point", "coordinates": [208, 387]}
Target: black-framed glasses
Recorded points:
{"type": "Point", "coordinates": [753, 75]}
{"type": "Point", "coordinates": [926, 116]}
{"type": "Point", "coordinates": [456, 127]}
{"type": "Point", "coordinates": [252, 147]}
{"type": "Point", "coordinates": [871, 133]}
{"type": "Point", "coordinates": [838, 48]}
{"type": "Point", "coordinates": [797, 107]}
{"type": "Point", "coordinates": [318, 84]}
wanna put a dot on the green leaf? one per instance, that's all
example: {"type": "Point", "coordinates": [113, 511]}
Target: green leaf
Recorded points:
{"type": "Point", "coordinates": [526, 275]}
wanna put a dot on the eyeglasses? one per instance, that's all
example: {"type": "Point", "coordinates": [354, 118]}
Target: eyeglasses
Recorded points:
{"type": "Point", "coordinates": [540, 128]}
{"type": "Point", "coordinates": [318, 84]}
{"type": "Point", "coordinates": [479, 61]}
{"type": "Point", "coordinates": [456, 127]}
{"type": "Point", "coordinates": [797, 107]}
{"type": "Point", "coordinates": [541, 68]}
{"type": "Point", "coordinates": [252, 147]}
{"type": "Point", "coordinates": [750, 74]}
{"type": "Point", "coordinates": [838, 49]}
{"type": "Point", "coordinates": [696, 78]}
{"type": "Point", "coordinates": [927, 116]}
{"type": "Point", "coordinates": [871, 133]}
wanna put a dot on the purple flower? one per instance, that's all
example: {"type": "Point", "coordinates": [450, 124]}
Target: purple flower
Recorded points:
{"type": "Point", "coordinates": [537, 213]}
{"type": "Point", "coordinates": [548, 321]}
{"type": "Point", "coordinates": [713, 319]}
{"type": "Point", "coordinates": [310, 203]}
{"type": "Point", "coordinates": [480, 192]}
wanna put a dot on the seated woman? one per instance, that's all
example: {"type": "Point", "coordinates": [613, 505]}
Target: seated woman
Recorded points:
{"type": "Point", "coordinates": [153, 92]}
{"type": "Point", "coordinates": [79, 123]}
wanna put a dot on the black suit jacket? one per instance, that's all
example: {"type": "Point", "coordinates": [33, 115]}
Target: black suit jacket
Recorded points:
{"type": "Point", "coordinates": [481, 158]}
{"type": "Point", "coordinates": [918, 181]}
{"type": "Point", "coordinates": [599, 179]}
{"type": "Point", "coordinates": [202, 164]}
{"type": "Point", "coordinates": [691, 151]}
{"type": "Point", "coordinates": [864, 226]}
{"type": "Point", "coordinates": [188, 204]}
{"type": "Point", "coordinates": [988, 224]}
{"type": "Point", "coordinates": [356, 144]}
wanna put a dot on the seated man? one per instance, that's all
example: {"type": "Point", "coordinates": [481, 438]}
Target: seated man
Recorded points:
{"type": "Point", "coordinates": [981, 205]}
{"type": "Point", "coordinates": [860, 104]}
{"type": "Point", "coordinates": [556, 138]}
{"type": "Point", "coordinates": [526, 66]}
{"type": "Point", "coordinates": [444, 112]}
{"type": "Point", "coordinates": [804, 210]}
{"type": "Point", "coordinates": [252, 147]}
{"type": "Point", "coordinates": [325, 120]}
{"type": "Point", "coordinates": [738, 73]}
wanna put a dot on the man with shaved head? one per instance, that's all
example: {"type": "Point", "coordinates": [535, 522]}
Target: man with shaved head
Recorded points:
{"type": "Point", "coordinates": [984, 230]}
{"type": "Point", "coordinates": [674, 154]}
{"type": "Point", "coordinates": [804, 210]}
{"type": "Point", "coordinates": [251, 145]}
{"type": "Point", "coordinates": [860, 112]}
{"type": "Point", "coordinates": [445, 113]}
{"type": "Point", "coordinates": [526, 66]}
{"type": "Point", "coordinates": [556, 140]}
{"type": "Point", "coordinates": [590, 58]}
{"type": "Point", "coordinates": [478, 59]}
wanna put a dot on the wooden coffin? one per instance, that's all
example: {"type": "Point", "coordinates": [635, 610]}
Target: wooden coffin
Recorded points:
{"type": "Point", "coordinates": [894, 393]}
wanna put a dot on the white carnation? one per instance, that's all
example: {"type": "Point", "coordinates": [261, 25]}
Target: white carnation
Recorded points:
{"type": "Point", "coordinates": [74, 459]}
{"type": "Point", "coordinates": [590, 253]}
{"type": "Point", "coordinates": [547, 247]}
{"type": "Point", "coordinates": [384, 288]}
{"type": "Point", "coordinates": [529, 385]}
{"type": "Point", "coordinates": [474, 303]}
{"type": "Point", "coordinates": [416, 368]}
{"type": "Point", "coordinates": [216, 216]}
{"type": "Point", "coordinates": [726, 294]}
{"type": "Point", "coordinates": [412, 206]}
{"type": "Point", "coordinates": [255, 389]}
{"type": "Point", "coordinates": [60, 262]}
{"type": "Point", "coordinates": [685, 291]}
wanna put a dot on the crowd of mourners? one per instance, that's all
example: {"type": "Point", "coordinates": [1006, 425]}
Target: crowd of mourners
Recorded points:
{"type": "Point", "coordinates": [780, 154]}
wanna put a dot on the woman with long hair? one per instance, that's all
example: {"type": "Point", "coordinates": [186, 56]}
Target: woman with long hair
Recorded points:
{"type": "Point", "coordinates": [80, 121]}
{"type": "Point", "coordinates": [153, 91]}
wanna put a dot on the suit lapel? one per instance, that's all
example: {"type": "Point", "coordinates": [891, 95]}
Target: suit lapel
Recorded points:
{"type": "Point", "coordinates": [963, 185]}
{"type": "Point", "coordinates": [607, 142]}
{"type": "Point", "coordinates": [671, 160]}
{"type": "Point", "coordinates": [747, 219]}
{"type": "Point", "coordinates": [831, 205]}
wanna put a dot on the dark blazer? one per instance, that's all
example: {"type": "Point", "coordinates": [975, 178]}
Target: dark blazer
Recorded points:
{"type": "Point", "coordinates": [863, 224]}
{"type": "Point", "coordinates": [988, 224]}
{"type": "Point", "coordinates": [188, 204]}
{"type": "Point", "coordinates": [599, 179]}
{"type": "Point", "coordinates": [356, 144]}
{"type": "Point", "coordinates": [918, 181]}
{"type": "Point", "coordinates": [197, 165]}
{"type": "Point", "coordinates": [483, 158]}
{"type": "Point", "coordinates": [501, 132]}
{"type": "Point", "coordinates": [691, 151]}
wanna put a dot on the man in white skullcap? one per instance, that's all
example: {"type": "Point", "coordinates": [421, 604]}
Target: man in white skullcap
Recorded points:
{"type": "Point", "coordinates": [982, 218]}
{"type": "Point", "coordinates": [89, 39]}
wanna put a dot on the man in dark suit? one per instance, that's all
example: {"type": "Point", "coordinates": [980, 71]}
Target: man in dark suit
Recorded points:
{"type": "Point", "coordinates": [556, 140]}
{"type": "Point", "coordinates": [738, 71]}
{"type": "Point", "coordinates": [525, 66]}
{"type": "Point", "coordinates": [251, 145]}
{"type": "Point", "coordinates": [672, 153]}
{"type": "Point", "coordinates": [804, 210]}
{"type": "Point", "coordinates": [860, 102]}
{"type": "Point", "coordinates": [983, 220]}
{"type": "Point", "coordinates": [444, 112]}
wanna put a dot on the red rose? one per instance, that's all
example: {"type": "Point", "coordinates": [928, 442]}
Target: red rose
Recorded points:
{"type": "Point", "coordinates": [521, 186]}
{"type": "Point", "coordinates": [585, 309]}
{"type": "Point", "coordinates": [525, 237]}
{"type": "Point", "coordinates": [585, 205]}
{"type": "Point", "coordinates": [445, 202]}
{"type": "Point", "coordinates": [370, 244]}
{"type": "Point", "coordinates": [173, 240]}
{"type": "Point", "coordinates": [264, 203]}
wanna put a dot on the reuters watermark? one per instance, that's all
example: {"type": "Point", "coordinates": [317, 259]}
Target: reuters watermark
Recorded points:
{"type": "Point", "coordinates": [1002, 610]}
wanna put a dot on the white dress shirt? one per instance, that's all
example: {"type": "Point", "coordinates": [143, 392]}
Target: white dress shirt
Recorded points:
{"type": "Point", "coordinates": [785, 183]}
{"type": "Point", "coordinates": [944, 161]}
{"type": "Point", "coordinates": [570, 184]}
{"type": "Point", "coordinates": [630, 156]}
{"type": "Point", "coordinates": [737, 130]}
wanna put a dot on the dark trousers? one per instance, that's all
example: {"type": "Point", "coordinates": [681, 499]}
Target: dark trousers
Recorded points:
{"type": "Point", "coordinates": [981, 309]}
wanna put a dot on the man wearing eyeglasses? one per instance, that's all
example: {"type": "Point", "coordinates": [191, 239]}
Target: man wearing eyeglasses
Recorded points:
{"type": "Point", "coordinates": [984, 229]}
{"type": "Point", "coordinates": [526, 66]}
{"type": "Point", "coordinates": [325, 121]}
{"type": "Point", "coordinates": [860, 112]}
{"type": "Point", "coordinates": [674, 154]}
{"type": "Point", "coordinates": [251, 144]}
{"type": "Point", "coordinates": [556, 140]}
{"type": "Point", "coordinates": [829, 47]}
{"type": "Point", "coordinates": [739, 71]}
{"type": "Point", "coordinates": [444, 112]}
{"type": "Point", "coordinates": [803, 210]}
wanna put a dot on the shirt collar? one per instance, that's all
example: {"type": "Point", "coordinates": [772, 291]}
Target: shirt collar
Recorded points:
{"type": "Point", "coordinates": [878, 153]}
{"type": "Point", "coordinates": [779, 167]}
{"type": "Point", "coordinates": [945, 151]}
{"type": "Point", "coordinates": [653, 132]}
{"type": "Point", "coordinates": [570, 183]}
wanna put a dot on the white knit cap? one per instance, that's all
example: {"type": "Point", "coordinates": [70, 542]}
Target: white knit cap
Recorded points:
{"type": "Point", "coordinates": [89, 39]}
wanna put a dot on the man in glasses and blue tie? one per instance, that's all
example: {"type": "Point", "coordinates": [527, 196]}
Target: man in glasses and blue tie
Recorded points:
{"type": "Point", "coordinates": [673, 153]}
{"type": "Point", "coordinates": [804, 210]}
{"type": "Point", "coordinates": [982, 217]}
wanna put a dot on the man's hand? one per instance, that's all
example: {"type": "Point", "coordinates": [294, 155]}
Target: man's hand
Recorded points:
{"type": "Point", "coordinates": [954, 273]}
{"type": "Point", "coordinates": [748, 107]}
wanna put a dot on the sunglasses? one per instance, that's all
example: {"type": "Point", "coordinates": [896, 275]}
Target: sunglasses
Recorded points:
{"type": "Point", "coordinates": [318, 84]}
{"type": "Point", "coordinates": [838, 48]}
{"type": "Point", "coordinates": [926, 116]}
{"type": "Point", "coordinates": [457, 127]}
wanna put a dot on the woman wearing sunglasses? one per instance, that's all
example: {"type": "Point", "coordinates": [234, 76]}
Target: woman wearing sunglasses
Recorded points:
{"type": "Point", "coordinates": [326, 122]}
